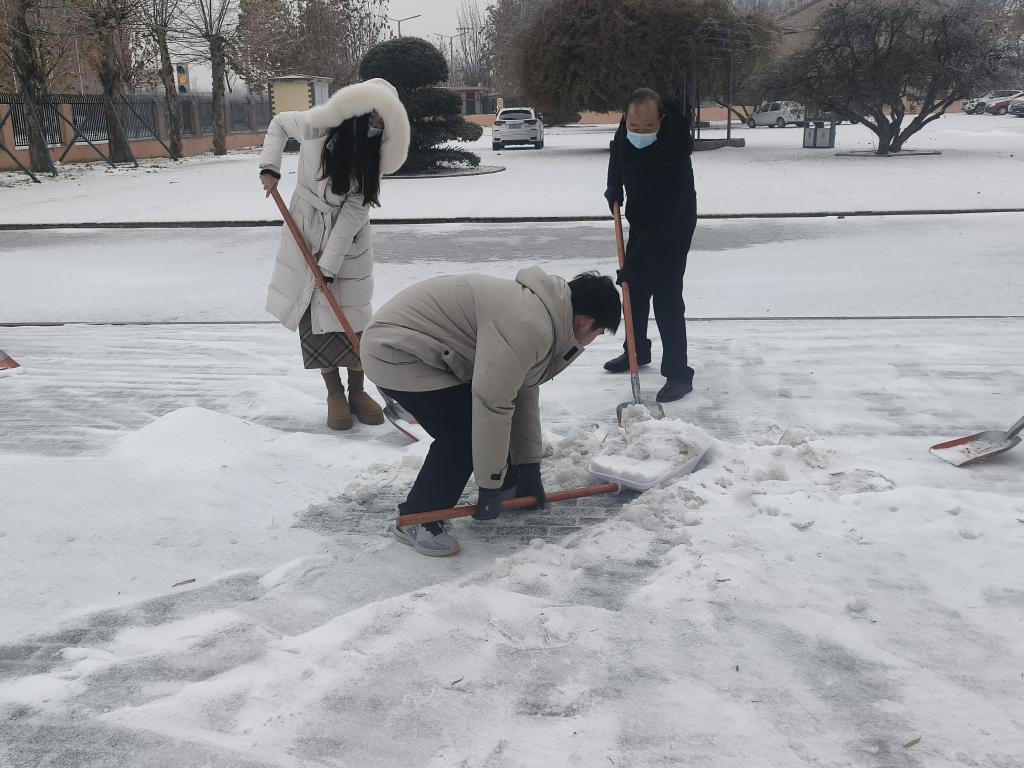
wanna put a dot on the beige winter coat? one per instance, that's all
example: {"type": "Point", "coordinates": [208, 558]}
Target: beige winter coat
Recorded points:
{"type": "Point", "coordinates": [337, 229]}
{"type": "Point", "coordinates": [505, 337]}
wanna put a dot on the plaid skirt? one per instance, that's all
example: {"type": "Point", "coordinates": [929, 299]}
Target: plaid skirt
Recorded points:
{"type": "Point", "coordinates": [326, 350]}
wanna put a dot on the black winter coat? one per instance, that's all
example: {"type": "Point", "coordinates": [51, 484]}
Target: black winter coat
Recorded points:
{"type": "Point", "coordinates": [661, 201]}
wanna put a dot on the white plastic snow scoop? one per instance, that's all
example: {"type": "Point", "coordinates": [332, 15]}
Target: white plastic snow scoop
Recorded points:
{"type": "Point", "coordinates": [657, 412]}
{"type": "Point", "coordinates": [980, 447]}
{"type": "Point", "coordinates": [643, 474]}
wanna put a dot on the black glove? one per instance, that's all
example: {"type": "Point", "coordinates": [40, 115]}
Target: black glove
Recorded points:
{"type": "Point", "coordinates": [613, 197]}
{"type": "Point", "coordinates": [625, 275]}
{"type": "Point", "coordinates": [488, 504]}
{"type": "Point", "coordinates": [530, 484]}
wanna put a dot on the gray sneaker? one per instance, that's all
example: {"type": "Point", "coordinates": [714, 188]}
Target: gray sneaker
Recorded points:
{"type": "Point", "coordinates": [436, 543]}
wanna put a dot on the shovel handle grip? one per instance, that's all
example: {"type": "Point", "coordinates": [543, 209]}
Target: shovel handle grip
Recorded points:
{"type": "Point", "coordinates": [526, 501]}
{"type": "Point", "coordinates": [318, 276]}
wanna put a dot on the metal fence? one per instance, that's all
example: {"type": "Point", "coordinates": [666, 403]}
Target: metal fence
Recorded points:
{"type": "Point", "coordinates": [146, 118]}
{"type": "Point", "coordinates": [46, 114]}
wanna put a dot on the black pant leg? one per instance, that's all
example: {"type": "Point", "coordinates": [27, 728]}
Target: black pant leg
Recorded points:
{"type": "Point", "coordinates": [669, 306]}
{"type": "Point", "coordinates": [447, 416]}
{"type": "Point", "coordinates": [670, 314]}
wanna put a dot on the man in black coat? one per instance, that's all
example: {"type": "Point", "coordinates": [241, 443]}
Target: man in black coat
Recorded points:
{"type": "Point", "coordinates": [650, 156]}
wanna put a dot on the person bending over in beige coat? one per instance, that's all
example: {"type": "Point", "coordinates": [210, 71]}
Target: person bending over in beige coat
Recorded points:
{"type": "Point", "coordinates": [466, 355]}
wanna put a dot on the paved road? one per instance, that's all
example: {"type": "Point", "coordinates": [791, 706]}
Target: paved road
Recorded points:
{"type": "Point", "coordinates": [903, 266]}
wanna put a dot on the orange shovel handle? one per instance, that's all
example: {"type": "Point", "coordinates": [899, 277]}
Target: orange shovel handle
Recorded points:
{"type": "Point", "coordinates": [527, 501]}
{"type": "Point", "coordinates": [627, 310]}
{"type": "Point", "coordinates": [318, 276]}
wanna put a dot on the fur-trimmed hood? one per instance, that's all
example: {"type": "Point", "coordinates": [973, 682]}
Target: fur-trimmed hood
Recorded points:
{"type": "Point", "coordinates": [361, 98]}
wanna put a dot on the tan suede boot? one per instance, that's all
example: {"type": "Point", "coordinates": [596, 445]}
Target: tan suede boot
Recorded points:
{"type": "Point", "coordinates": [339, 416]}
{"type": "Point", "coordinates": [365, 407]}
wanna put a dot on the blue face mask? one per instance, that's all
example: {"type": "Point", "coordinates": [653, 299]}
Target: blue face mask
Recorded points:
{"type": "Point", "coordinates": [372, 132]}
{"type": "Point", "coordinates": [641, 140]}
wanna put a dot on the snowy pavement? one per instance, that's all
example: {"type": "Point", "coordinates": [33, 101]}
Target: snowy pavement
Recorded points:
{"type": "Point", "coordinates": [773, 173]}
{"type": "Point", "coordinates": [195, 571]}
{"type": "Point", "coordinates": [857, 267]}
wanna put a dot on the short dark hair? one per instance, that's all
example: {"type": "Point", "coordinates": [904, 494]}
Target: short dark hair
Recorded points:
{"type": "Point", "coordinates": [642, 96]}
{"type": "Point", "coordinates": [595, 295]}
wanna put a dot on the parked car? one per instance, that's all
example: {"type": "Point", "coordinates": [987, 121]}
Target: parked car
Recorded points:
{"type": "Point", "coordinates": [517, 125]}
{"type": "Point", "coordinates": [1001, 105]}
{"type": "Point", "coordinates": [777, 114]}
{"type": "Point", "coordinates": [978, 105]}
{"type": "Point", "coordinates": [1016, 108]}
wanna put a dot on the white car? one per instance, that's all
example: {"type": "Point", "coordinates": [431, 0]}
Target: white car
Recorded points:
{"type": "Point", "coordinates": [777, 114]}
{"type": "Point", "coordinates": [517, 125]}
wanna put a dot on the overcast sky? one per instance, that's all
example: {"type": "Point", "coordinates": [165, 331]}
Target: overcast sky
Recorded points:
{"type": "Point", "coordinates": [436, 16]}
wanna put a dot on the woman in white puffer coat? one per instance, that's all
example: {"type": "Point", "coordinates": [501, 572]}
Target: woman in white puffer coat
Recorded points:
{"type": "Point", "coordinates": [346, 145]}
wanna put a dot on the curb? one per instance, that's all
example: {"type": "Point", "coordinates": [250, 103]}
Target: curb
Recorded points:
{"type": "Point", "coordinates": [226, 224]}
{"type": "Point", "coordinates": [480, 170]}
{"type": "Point", "coordinates": [743, 319]}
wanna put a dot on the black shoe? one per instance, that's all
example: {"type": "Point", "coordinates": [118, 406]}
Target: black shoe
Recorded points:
{"type": "Point", "coordinates": [674, 390]}
{"type": "Point", "coordinates": [620, 364]}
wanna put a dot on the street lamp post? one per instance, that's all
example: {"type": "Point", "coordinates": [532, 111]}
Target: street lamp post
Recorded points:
{"type": "Point", "coordinates": [451, 45]}
{"type": "Point", "coordinates": [399, 21]}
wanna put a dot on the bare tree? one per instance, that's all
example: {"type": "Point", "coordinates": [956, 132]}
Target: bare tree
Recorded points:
{"type": "Point", "coordinates": [160, 19]}
{"type": "Point", "coordinates": [873, 62]}
{"type": "Point", "coordinates": [29, 53]}
{"type": "Point", "coordinates": [215, 22]}
{"type": "Point", "coordinates": [265, 41]}
{"type": "Point", "coordinates": [313, 37]}
{"type": "Point", "coordinates": [469, 58]}
{"type": "Point", "coordinates": [505, 23]}
{"type": "Point", "coordinates": [118, 55]}
{"type": "Point", "coordinates": [333, 35]}
{"type": "Point", "coordinates": [735, 51]}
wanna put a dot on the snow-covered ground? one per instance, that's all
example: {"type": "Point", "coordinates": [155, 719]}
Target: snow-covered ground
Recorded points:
{"type": "Point", "coordinates": [196, 572]}
{"type": "Point", "coordinates": [854, 267]}
{"type": "Point", "coordinates": [773, 173]}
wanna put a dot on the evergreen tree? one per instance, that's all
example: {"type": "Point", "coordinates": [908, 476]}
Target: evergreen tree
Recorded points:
{"type": "Point", "coordinates": [415, 68]}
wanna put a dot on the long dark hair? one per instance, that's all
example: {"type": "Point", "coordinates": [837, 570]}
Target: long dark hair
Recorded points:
{"type": "Point", "coordinates": [350, 158]}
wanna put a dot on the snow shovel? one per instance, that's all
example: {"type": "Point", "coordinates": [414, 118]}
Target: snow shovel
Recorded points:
{"type": "Point", "coordinates": [980, 447]}
{"type": "Point", "coordinates": [657, 412]}
{"type": "Point", "coordinates": [526, 501]}
{"type": "Point", "coordinates": [402, 420]}
{"type": "Point", "coordinates": [8, 364]}
{"type": "Point", "coordinates": [6, 361]}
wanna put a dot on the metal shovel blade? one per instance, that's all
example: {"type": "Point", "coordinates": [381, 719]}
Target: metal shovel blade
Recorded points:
{"type": "Point", "coordinates": [979, 447]}
{"type": "Point", "coordinates": [402, 420]}
{"type": "Point", "coordinates": [657, 412]}
{"type": "Point", "coordinates": [975, 448]}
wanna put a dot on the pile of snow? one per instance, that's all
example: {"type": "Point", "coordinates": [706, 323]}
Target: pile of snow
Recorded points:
{"type": "Point", "coordinates": [784, 585]}
{"type": "Point", "coordinates": [648, 452]}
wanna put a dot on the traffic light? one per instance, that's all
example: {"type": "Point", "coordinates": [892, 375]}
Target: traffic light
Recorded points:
{"type": "Point", "coordinates": [181, 75]}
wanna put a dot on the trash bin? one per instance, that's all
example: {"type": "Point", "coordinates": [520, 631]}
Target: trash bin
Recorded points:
{"type": "Point", "coordinates": [819, 133]}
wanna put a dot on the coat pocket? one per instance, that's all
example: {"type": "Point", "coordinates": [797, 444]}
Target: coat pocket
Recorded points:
{"type": "Point", "coordinates": [458, 364]}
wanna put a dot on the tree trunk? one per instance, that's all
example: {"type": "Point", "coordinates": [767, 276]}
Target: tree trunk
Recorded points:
{"type": "Point", "coordinates": [31, 74]}
{"type": "Point", "coordinates": [113, 108]}
{"type": "Point", "coordinates": [171, 94]}
{"type": "Point", "coordinates": [217, 60]}
{"type": "Point", "coordinates": [881, 129]}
